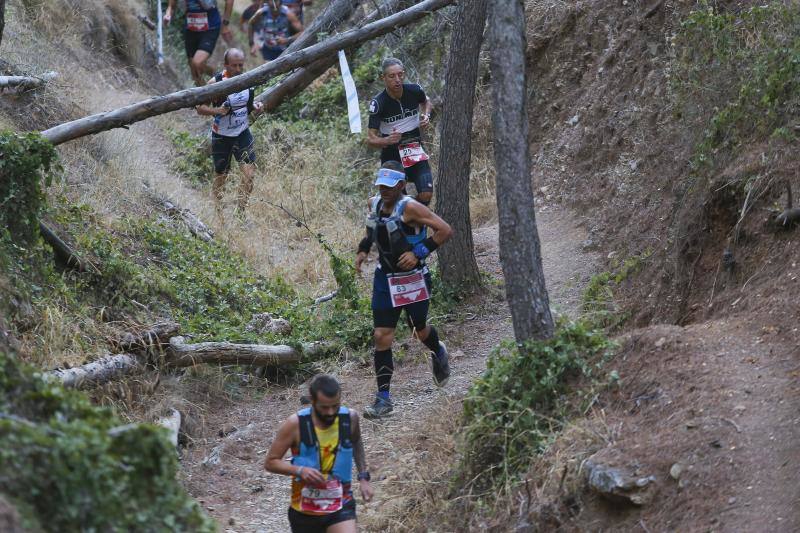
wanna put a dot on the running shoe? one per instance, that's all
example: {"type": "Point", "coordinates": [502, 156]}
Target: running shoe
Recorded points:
{"type": "Point", "coordinates": [382, 407]}
{"type": "Point", "coordinates": [441, 366]}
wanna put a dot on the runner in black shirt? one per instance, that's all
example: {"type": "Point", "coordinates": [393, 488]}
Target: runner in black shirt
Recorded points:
{"type": "Point", "coordinates": [395, 118]}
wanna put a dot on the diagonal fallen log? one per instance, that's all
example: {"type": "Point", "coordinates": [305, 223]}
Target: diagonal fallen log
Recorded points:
{"type": "Point", "coordinates": [137, 342]}
{"type": "Point", "coordinates": [103, 370]}
{"type": "Point", "coordinates": [182, 354]}
{"type": "Point", "coordinates": [302, 77]}
{"type": "Point", "coordinates": [26, 82]}
{"type": "Point", "coordinates": [195, 225]}
{"type": "Point", "coordinates": [63, 252]}
{"type": "Point", "coordinates": [199, 95]}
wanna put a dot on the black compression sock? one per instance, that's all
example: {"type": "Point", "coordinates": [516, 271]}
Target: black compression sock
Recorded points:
{"type": "Point", "coordinates": [432, 341]}
{"type": "Point", "coordinates": [384, 368]}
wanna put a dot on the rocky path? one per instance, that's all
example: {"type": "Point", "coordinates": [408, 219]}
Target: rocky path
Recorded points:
{"type": "Point", "coordinates": [225, 473]}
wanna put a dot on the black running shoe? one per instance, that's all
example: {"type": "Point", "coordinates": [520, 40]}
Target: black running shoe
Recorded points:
{"type": "Point", "coordinates": [441, 366]}
{"type": "Point", "coordinates": [382, 407]}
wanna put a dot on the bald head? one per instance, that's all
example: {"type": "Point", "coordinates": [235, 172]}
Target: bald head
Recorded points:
{"type": "Point", "coordinates": [234, 61]}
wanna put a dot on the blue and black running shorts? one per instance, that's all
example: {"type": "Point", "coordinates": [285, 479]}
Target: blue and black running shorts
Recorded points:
{"type": "Point", "coordinates": [200, 40]}
{"type": "Point", "coordinates": [305, 523]}
{"type": "Point", "coordinates": [241, 147]}
{"type": "Point", "coordinates": [386, 316]}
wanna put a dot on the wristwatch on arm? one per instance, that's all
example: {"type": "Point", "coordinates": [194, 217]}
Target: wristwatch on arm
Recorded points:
{"type": "Point", "coordinates": [363, 476]}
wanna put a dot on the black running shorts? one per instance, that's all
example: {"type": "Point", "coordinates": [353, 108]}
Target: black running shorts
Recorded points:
{"type": "Point", "coordinates": [222, 148]}
{"type": "Point", "coordinates": [386, 316]}
{"type": "Point", "coordinates": [200, 40]}
{"type": "Point", "coordinates": [421, 176]}
{"type": "Point", "coordinates": [303, 523]}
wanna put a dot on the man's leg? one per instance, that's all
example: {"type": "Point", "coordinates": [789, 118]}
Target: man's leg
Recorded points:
{"type": "Point", "coordinates": [384, 362]}
{"type": "Point", "coordinates": [342, 527]}
{"type": "Point", "coordinates": [246, 156]}
{"type": "Point", "coordinates": [221, 152]}
{"type": "Point", "coordinates": [198, 66]}
{"type": "Point", "coordinates": [384, 321]}
{"type": "Point", "coordinates": [245, 187]}
{"type": "Point", "coordinates": [422, 177]}
{"type": "Point", "coordinates": [418, 316]}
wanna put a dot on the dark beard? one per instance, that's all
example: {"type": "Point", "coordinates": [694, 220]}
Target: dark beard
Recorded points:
{"type": "Point", "coordinates": [327, 420]}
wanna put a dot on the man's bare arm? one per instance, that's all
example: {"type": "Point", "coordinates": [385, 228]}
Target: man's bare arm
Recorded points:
{"type": "Point", "coordinates": [420, 215]}
{"type": "Point", "coordinates": [359, 456]}
{"type": "Point", "coordinates": [288, 434]}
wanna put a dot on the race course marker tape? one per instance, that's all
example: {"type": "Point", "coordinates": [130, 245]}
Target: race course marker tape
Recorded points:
{"type": "Point", "coordinates": [353, 112]}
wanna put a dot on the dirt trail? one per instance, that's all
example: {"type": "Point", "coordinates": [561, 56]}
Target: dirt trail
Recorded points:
{"type": "Point", "coordinates": [243, 497]}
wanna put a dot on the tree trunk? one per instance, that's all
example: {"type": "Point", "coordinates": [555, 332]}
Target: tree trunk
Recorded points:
{"type": "Point", "coordinates": [143, 341]}
{"type": "Point", "coordinates": [198, 95]}
{"type": "Point", "coordinates": [103, 370]}
{"type": "Point", "coordinates": [457, 259]}
{"type": "Point", "coordinates": [520, 252]}
{"type": "Point", "coordinates": [2, 18]}
{"type": "Point", "coordinates": [181, 354]}
{"type": "Point", "coordinates": [63, 252]}
{"type": "Point", "coordinates": [26, 82]}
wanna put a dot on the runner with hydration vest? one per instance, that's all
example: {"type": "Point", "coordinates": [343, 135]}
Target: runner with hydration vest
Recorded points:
{"type": "Point", "coordinates": [230, 132]}
{"type": "Point", "coordinates": [394, 126]}
{"type": "Point", "coordinates": [398, 226]}
{"type": "Point", "coordinates": [325, 440]}
{"type": "Point", "coordinates": [200, 34]}
{"type": "Point", "coordinates": [275, 23]}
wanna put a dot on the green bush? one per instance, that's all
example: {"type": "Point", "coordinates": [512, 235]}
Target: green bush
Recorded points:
{"type": "Point", "coordinates": [737, 75]}
{"type": "Point", "coordinates": [71, 466]}
{"type": "Point", "coordinates": [512, 411]}
{"type": "Point", "coordinates": [26, 164]}
{"type": "Point", "coordinates": [599, 306]}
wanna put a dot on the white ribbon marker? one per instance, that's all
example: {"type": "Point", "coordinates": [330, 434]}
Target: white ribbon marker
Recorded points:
{"type": "Point", "coordinates": [159, 33]}
{"type": "Point", "coordinates": [353, 112]}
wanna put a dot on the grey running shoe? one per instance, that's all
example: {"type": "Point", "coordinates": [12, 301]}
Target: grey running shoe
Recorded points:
{"type": "Point", "coordinates": [382, 407]}
{"type": "Point", "coordinates": [441, 366]}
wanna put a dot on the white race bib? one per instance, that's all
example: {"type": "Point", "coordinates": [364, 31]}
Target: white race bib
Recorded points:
{"type": "Point", "coordinates": [327, 499]}
{"type": "Point", "coordinates": [197, 21]}
{"type": "Point", "coordinates": [411, 154]}
{"type": "Point", "coordinates": [408, 289]}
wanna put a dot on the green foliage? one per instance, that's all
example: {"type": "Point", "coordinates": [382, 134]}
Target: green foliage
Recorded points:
{"type": "Point", "coordinates": [326, 103]}
{"type": "Point", "coordinates": [512, 411]}
{"type": "Point", "coordinates": [27, 160]}
{"type": "Point", "coordinates": [72, 466]}
{"type": "Point", "coordinates": [191, 160]}
{"type": "Point", "coordinates": [738, 73]}
{"type": "Point", "coordinates": [599, 305]}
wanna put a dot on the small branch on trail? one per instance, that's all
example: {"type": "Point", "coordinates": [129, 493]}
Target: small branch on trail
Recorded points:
{"type": "Point", "coordinates": [199, 95]}
{"type": "Point", "coordinates": [64, 252]}
{"type": "Point", "coordinates": [26, 82]}
{"type": "Point", "coordinates": [155, 337]}
{"type": "Point", "coordinates": [195, 225]}
{"type": "Point", "coordinates": [328, 297]}
{"type": "Point", "coordinates": [103, 370]}
{"type": "Point", "coordinates": [172, 423]}
{"type": "Point", "coordinates": [181, 354]}
{"type": "Point", "coordinates": [144, 19]}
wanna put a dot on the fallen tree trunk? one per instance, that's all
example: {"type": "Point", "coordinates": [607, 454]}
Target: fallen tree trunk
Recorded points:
{"type": "Point", "coordinates": [26, 82]}
{"type": "Point", "coordinates": [199, 95]}
{"type": "Point", "coordinates": [97, 372]}
{"type": "Point", "coordinates": [195, 225]}
{"type": "Point", "coordinates": [181, 354]}
{"type": "Point", "coordinates": [158, 335]}
{"type": "Point", "coordinates": [63, 252]}
{"type": "Point", "coordinates": [144, 19]}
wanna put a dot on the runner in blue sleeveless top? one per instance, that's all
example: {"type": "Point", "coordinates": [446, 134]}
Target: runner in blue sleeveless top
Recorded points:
{"type": "Point", "coordinates": [274, 22]}
{"type": "Point", "coordinates": [202, 29]}
{"type": "Point", "coordinates": [396, 115]}
{"type": "Point", "coordinates": [398, 226]}
{"type": "Point", "coordinates": [324, 440]}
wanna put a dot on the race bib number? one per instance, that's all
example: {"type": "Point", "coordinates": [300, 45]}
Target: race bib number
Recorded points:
{"type": "Point", "coordinates": [197, 21]}
{"type": "Point", "coordinates": [408, 289]}
{"type": "Point", "coordinates": [411, 154]}
{"type": "Point", "coordinates": [327, 499]}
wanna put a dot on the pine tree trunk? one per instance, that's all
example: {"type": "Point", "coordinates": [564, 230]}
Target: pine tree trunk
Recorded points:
{"type": "Point", "coordinates": [2, 18]}
{"type": "Point", "coordinates": [520, 252]}
{"type": "Point", "coordinates": [457, 259]}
